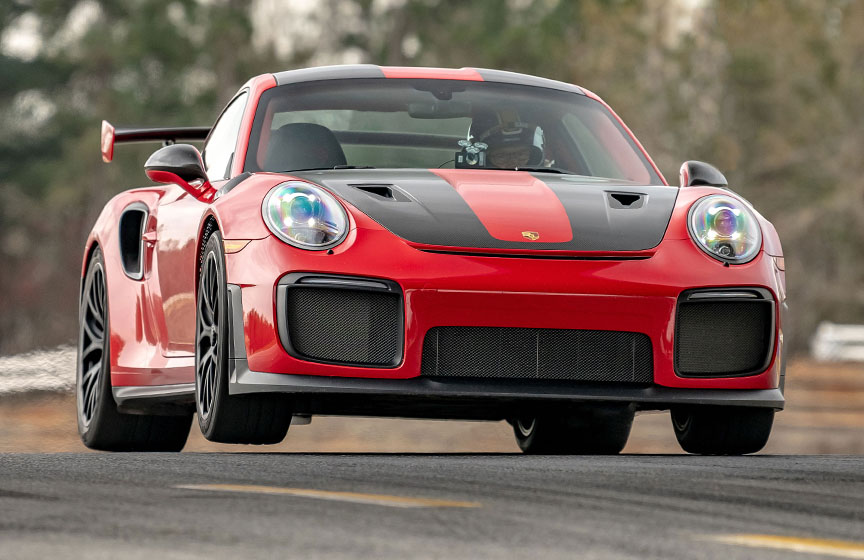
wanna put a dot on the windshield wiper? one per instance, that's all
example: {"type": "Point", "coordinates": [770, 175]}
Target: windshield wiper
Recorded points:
{"type": "Point", "coordinates": [334, 167]}
{"type": "Point", "coordinates": [541, 170]}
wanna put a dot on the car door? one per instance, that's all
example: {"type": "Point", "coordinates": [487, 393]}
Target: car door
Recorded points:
{"type": "Point", "coordinates": [177, 230]}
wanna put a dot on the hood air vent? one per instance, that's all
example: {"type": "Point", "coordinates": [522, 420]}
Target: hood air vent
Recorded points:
{"type": "Point", "coordinates": [626, 201]}
{"type": "Point", "coordinates": [383, 191]}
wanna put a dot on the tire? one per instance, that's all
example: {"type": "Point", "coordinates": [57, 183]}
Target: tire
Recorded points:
{"type": "Point", "coordinates": [591, 432]}
{"type": "Point", "coordinates": [100, 424]}
{"type": "Point", "coordinates": [722, 430]}
{"type": "Point", "coordinates": [225, 418]}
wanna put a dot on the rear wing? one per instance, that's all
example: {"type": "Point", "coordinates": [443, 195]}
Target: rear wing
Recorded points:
{"type": "Point", "coordinates": [112, 135]}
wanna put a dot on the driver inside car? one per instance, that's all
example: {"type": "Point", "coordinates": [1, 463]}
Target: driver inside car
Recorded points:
{"type": "Point", "coordinates": [512, 143]}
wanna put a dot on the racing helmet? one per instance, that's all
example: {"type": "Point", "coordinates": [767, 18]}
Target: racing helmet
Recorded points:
{"type": "Point", "coordinates": [512, 142]}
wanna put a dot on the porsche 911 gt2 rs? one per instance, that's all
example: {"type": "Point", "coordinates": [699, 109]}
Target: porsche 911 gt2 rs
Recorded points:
{"type": "Point", "coordinates": [426, 243]}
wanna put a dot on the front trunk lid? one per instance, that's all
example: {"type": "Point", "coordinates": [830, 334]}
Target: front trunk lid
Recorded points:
{"type": "Point", "coordinates": [506, 210]}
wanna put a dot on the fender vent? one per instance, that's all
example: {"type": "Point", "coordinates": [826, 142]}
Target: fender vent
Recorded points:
{"type": "Point", "coordinates": [130, 229]}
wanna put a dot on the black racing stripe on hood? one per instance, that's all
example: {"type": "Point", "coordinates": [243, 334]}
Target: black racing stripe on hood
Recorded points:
{"type": "Point", "coordinates": [433, 213]}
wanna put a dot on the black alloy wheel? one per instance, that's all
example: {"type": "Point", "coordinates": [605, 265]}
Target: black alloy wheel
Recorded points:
{"type": "Point", "coordinates": [722, 430]}
{"type": "Point", "coordinates": [92, 344]}
{"type": "Point", "coordinates": [593, 431]}
{"type": "Point", "coordinates": [223, 418]}
{"type": "Point", "coordinates": [100, 424]}
{"type": "Point", "coordinates": [207, 340]}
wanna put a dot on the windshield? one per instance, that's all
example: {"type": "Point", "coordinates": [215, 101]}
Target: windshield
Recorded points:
{"type": "Point", "coordinates": [416, 123]}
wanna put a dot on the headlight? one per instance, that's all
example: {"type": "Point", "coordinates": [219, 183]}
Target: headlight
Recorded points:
{"type": "Point", "coordinates": [725, 228]}
{"type": "Point", "coordinates": [305, 216]}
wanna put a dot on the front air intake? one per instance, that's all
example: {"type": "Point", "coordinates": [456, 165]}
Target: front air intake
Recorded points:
{"type": "Point", "coordinates": [341, 320]}
{"type": "Point", "coordinates": [724, 333]}
{"type": "Point", "coordinates": [523, 353]}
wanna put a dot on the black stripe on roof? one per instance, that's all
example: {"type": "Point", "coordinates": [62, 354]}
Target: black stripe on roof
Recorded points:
{"type": "Point", "coordinates": [339, 72]}
{"type": "Point", "coordinates": [504, 77]}
{"type": "Point", "coordinates": [349, 71]}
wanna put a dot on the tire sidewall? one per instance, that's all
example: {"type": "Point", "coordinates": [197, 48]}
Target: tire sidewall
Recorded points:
{"type": "Point", "coordinates": [722, 431]}
{"type": "Point", "coordinates": [682, 420]}
{"type": "Point", "coordinates": [525, 430]}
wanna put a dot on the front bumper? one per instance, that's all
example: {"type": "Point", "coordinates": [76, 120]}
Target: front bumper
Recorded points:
{"type": "Point", "coordinates": [463, 290]}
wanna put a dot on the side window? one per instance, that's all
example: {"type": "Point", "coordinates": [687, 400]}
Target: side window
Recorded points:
{"type": "Point", "coordinates": [219, 150]}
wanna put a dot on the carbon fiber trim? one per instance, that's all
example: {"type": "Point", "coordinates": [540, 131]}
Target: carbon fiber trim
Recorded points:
{"type": "Point", "coordinates": [483, 399]}
{"type": "Point", "coordinates": [520, 353]}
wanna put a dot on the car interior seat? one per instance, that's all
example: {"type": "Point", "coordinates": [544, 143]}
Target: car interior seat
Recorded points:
{"type": "Point", "coordinates": [303, 146]}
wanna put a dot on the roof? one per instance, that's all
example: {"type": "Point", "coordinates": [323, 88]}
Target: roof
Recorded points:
{"type": "Point", "coordinates": [353, 71]}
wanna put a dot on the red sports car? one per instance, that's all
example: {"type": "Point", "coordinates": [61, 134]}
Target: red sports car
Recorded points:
{"type": "Point", "coordinates": [426, 243]}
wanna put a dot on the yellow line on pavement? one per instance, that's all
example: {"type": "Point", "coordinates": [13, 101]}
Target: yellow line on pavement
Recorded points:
{"type": "Point", "coordinates": [842, 549]}
{"type": "Point", "coordinates": [354, 497]}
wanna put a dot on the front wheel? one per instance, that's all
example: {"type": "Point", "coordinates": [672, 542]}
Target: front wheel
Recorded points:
{"type": "Point", "coordinates": [100, 424]}
{"type": "Point", "coordinates": [225, 418]}
{"type": "Point", "coordinates": [722, 430]}
{"type": "Point", "coordinates": [602, 431]}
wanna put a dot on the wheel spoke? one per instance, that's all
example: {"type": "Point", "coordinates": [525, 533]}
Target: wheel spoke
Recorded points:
{"type": "Point", "coordinates": [211, 378]}
{"type": "Point", "coordinates": [94, 346]}
{"type": "Point", "coordinates": [100, 296]}
{"type": "Point", "coordinates": [207, 331]}
{"type": "Point", "coordinates": [207, 390]}
{"type": "Point", "coordinates": [87, 386]}
{"type": "Point", "coordinates": [92, 401]}
{"type": "Point", "coordinates": [211, 271]}
{"type": "Point", "coordinates": [208, 355]}
{"type": "Point", "coordinates": [205, 282]}
{"type": "Point", "coordinates": [89, 390]}
{"type": "Point", "coordinates": [205, 320]}
{"type": "Point", "coordinates": [208, 309]}
{"type": "Point", "coordinates": [91, 373]}
{"type": "Point", "coordinates": [209, 385]}
{"type": "Point", "coordinates": [93, 335]}
{"type": "Point", "coordinates": [95, 314]}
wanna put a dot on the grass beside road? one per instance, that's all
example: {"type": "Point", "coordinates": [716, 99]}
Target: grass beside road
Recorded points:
{"type": "Point", "coordinates": [824, 414]}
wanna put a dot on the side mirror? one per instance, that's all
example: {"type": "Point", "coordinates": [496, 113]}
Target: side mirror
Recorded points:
{"type": "Point", "coordinates": [181, 164]}
{"type": "Point", "coordinates": [698, 173]}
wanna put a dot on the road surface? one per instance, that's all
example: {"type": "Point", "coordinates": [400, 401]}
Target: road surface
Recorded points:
{"type": "Point", "coordinates": [286, 505]}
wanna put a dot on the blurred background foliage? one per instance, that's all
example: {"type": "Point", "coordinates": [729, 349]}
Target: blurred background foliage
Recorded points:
{"type": "Point", "coordinates": [770, 91]}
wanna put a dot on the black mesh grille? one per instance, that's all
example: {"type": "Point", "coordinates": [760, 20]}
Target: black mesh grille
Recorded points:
{"type": "Point", "coordinates": [723, 338]}
{"type": "Point", "coordinates": [515, 353]}
{"type": "Point", "coordinates": [348, 326]}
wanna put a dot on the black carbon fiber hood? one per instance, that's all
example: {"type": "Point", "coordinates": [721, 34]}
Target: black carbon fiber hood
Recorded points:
{"type": "Point", "coordinates": [453, 208]}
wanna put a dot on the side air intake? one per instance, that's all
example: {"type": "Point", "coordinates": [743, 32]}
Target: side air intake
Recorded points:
{"type": "Point", "coordinates": [341, 320]}
{"type": "Point", "coordinates": [724, 333]}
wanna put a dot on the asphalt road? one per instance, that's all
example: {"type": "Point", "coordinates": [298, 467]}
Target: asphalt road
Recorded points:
{"type": "Point", "coordinates": [253, 505]}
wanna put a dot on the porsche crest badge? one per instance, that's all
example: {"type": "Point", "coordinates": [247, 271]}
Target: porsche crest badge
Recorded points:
{"type": "Point", "coordinates": [531, 235]}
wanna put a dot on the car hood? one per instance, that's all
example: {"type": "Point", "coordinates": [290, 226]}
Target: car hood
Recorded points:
{"type": "Point", "coordinates": [496, 209]}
